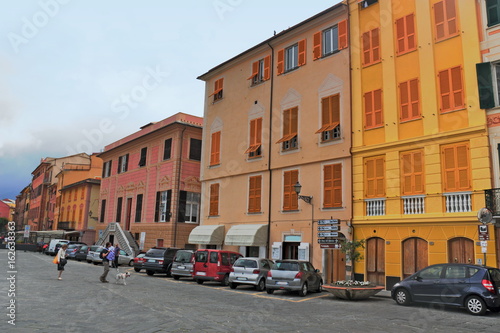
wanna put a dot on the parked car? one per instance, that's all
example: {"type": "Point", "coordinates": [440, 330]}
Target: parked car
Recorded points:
{"type": "Point", "coordinates": [214, 265]}
{"type": "Point", "coordinates": [139, 261]}
{"type": "Point", "coordinates": [159, 260]}
{"type": "Point", "coordinates": [183, 264]}
{"type": "Point", "coordinates": [123, 258]}
{"type": "Point", "coordinates": [293, 275]}
{"type": "Point", "coordinates": [72, 250]}
{"type": "Point", "coordinates": [477, 288]}
{"type": "Point", "coordinates": [51, 250]}
{"type": "Point", "coordinates": [82, 252]}
{"type": "Point", "coordinates": [58, 245]}
{"type": "Point", "coordinates": [94, 253]}
{"type": "Point", "coordinates": [252, 271]}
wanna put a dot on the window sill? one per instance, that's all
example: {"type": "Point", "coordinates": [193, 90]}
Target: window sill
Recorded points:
{"type": "Point", "coordinates": [255, 158]}
{"type": "Point", "coordinates": [290, 211]}
{"type": "Point", "coordinates": [213, 216]}
{"type": "Point", "coordinates": [255, 213]}
{"type": "Point", "coordinates": [291, 70]}
{"type": "Point", "coordinates": [374, 127]}
{"type": "Point", "coordinates": [326, 55]}
{"type": "Point", "coordinates": [257, 83]}
{"type": "Point", "coordinates": [215, 101]}
{"type": "Point", "coordinates": [406, 52]}
{"type": "Point", "coordinates": [453, 110]}
{"type": "Point", "coordinates": [436, 41]}
{"type": "Point", "coordinates": [214, 166]}
{"type": "Point", "coordinates": [372, 64]}
{"type": "Point", "coordinates": [409, 120]}
{"type": "Point", "coordinates": [332, 208]}
{"type": "Point", "coordinates": [331, 141]}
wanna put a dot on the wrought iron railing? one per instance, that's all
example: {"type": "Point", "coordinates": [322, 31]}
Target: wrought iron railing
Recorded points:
{"type": "Point", "coordinates": [492, 199]}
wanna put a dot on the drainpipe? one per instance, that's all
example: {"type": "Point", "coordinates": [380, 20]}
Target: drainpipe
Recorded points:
{"type": "Point", "coordinates": [269, 153]}
{"type": "Point", "coordinates": [178, 180]}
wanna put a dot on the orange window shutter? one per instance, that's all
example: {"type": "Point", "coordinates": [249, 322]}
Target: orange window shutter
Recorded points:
{"type": "Point", "coordinates": [439, 24]}
{"type": "Point", "coordinates": [214, 199]}
{"type": "Point", "coordinates": [444, 90]}
{"type": "Point", "coordinates": [255, 70]}
{"type": "Point", "coordinates": [286, 190]}
{"type": "Point", "coordinates": [463, 182]}
{"type": "Point", "coordinates": [342, 32]}
{"type": "Point", "coordinates": [258, 193]}
{"type": "Point", "coordinates": [337, 185]}
{"type": "Point", "coordinates": [294, 120]}
{"type": "Point", "coordinates": [370, 178]}
{"type": "Point", "coordinates": [449, 168]}
{"type": "Point", "coordinates": [317, 45]}
{"type": "Point", "coordinates": [251, 195]}
{"type": "Point", "coordinates": [335, 108]}
{"type": "Point", "coordinates": [375, 45]}
{"type": "Point", "coordinates": [411, 41]}
{"type": "Point", "coordinates": [406, 172]}
{"type": "Point", "coordinates": [328, 186]}
{"type": "Point", "coordinates": [258, 131]}
{"type": "Point", "coordinates": [404, 101]}
{"type": "Point", "coordinates": [451, 17]}
{"type": "Point", "coordinates": [286, 122]}
{"type": "Point", "coordinates": [281, 61]}
{"type": "Point", "coordinates": [400, 36]}
{"type": "Point", "coordinates": [366, 42]}
{"type": "Point", "coordinates": [252, 132]}
{"type": "Point", "coordinates": [379, 174]}
{"type": "Point", "coordinates": [294, 204]}
{"type": "Point", "coordinates": [457, 87]}
{"type": "Point", "coordinates": [368, 110]}
{"type": "Point", "coordinates": [215, 151]}
{"type": "Point", "coordinates": [267, 68]}
{"type": "Point", "coordinates": [325, 111]}
{"type": "Point", "coordinates": [302, 52]}
{"type": "Point", "coordinates": [414, 99]}
{"type": "Point", "coordinates": [377, 107]}
{"type": "Point", "coordinates": [418, 172]}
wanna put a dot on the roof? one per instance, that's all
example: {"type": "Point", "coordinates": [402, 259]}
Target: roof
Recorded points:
{"type": "Point", "coordinates": [88, 181]}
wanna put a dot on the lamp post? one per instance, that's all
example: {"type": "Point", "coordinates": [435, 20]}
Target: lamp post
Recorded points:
{"type": "Point", "coordinates": [308, 199]}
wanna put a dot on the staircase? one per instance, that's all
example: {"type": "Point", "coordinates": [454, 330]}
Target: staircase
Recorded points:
{"type": "Point", "coordinates": [124, 238]}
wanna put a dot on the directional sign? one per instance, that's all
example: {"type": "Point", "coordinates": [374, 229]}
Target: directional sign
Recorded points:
{"type": "Point", "coordinates": [323, 222]}
{"type": "Point", "coordinates": [328, 241]}
{"type": "Point", "coordinates": [328, 228]}
{"type": "Point", "coordinates": [328, 234]}
{"type": "Point", "coordinates": [483, 232]}
{"type": "Point", "coordinates": [329, 246]}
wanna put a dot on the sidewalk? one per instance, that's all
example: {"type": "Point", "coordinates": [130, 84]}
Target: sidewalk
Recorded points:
{"type": "Point", "coordinates": [384, 294]}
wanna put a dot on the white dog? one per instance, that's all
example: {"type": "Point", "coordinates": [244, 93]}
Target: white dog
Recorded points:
{"type": "Point", "coordinates": [122, 277]}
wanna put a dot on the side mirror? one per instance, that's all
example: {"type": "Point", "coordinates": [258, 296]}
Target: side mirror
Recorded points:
{"type": "Point", "coordinates": [316, 270]}
{"type": "Point", "coordinates": [418, 278]}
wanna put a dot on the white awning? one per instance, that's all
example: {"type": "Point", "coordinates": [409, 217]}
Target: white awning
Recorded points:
{"type": "Point", "coordinates": [247, 235]}
{"type": "Point", "coordinates": [207, 234]}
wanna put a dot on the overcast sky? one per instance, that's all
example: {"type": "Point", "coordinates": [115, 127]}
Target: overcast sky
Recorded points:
{"type": "Point", "coordinates": [76, 75]}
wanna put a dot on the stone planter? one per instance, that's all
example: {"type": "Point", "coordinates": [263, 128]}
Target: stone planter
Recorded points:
{"type": "Point", "coordinates": [354, 292]}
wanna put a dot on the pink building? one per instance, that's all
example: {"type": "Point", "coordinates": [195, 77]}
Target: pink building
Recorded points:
{"type": "Point", "coordinates": [151, 183]}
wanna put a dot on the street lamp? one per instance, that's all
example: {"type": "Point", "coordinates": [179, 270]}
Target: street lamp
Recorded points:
{"type": "Point", "coordinates": [297, 187]}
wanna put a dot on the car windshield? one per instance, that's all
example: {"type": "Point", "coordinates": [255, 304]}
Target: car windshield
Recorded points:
{"type": "Point", "coordinates": [72, 246]}
{"type": "Point", "coordinates": [155, 253]}
{"type": "Point", "coordinates": [247, 263]}
{"type": "Point", "coordinates": [183, 256]}
{"type": "Point", "coordinates": [286, 266]}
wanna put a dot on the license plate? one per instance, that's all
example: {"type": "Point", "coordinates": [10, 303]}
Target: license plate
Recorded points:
{"type": "Point", "coordinates": [201, 273]}
{"type": "Point", "coordinates": [282, 283]}
{"type": "Point", "coordinates": [181, 267]}
{"type": "Point", "coordinates": [151, 260]}
{"type": "Point", "coordinates": [241, 278]}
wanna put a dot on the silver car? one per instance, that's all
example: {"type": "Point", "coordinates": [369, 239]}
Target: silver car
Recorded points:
{"type": "Point", "coordinates": [183, 263]}
{"type": "Point", "coordinates": [294, 275]}
{"type": "Point", "coordinates": [251, 271]}
{"type": "Point", "coordinates": [123, 258]}
{"type": "Point", "coordinates": [94, 251]}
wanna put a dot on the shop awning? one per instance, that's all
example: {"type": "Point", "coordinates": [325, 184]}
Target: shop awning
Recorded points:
{"type": "Point", "coordinates": [247, 235]}
{"type": "Point", "coordinates": [207, 234]}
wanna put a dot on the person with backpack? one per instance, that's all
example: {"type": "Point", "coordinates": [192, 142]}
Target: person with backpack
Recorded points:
{"type": "Point", "coordinates": [105, 262]}
{"type": "Point", "coordinates": [117, 253]}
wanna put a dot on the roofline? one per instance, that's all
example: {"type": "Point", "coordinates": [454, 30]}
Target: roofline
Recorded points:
{"type": "Point", "coordinates": [88, 180]}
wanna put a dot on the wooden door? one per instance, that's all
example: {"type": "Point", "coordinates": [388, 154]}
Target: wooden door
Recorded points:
{"type": "Point", "coordinates": [415, 255]}
{"type": "Point", "coordinates": [375, 261]}
{"type": "Point", "coordinates": [461, 250]}
{"type": "Point", "coordinates": [338, 265]}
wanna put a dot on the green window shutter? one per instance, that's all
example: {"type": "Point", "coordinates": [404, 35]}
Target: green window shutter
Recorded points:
{"type": "Point", "coordinates": [492, 10]}
{"type": "Point", "coordinates": [485, 85]}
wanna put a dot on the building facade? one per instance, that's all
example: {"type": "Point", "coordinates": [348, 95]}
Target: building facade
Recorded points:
{"type": "Point", "coordinates": [276, 116]}
{"type": "Point", "coordinates": [150, 183]}
{"type": "Point", "coordinates": [421, 158]}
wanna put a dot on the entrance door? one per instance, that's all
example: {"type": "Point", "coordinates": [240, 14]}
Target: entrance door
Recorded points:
{"type": "Point", "coordinates": [128, 214]}
{"type": "Point", "coordinates": [415, 256]}
{"type": "Point", "coordinates": [291, 250]}
{"type": "Point", "coordinates": [461, 250]}
{"type": "Point", "coordinates": [335, 266]}
{"type": "Point", "coordinates": [375, 261]}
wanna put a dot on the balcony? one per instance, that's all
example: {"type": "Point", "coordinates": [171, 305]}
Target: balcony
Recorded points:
{"type": "Point", "coordinates": [413, 204]}
{"type": "Point", "coordinates": [375, 207]}
{"type": "Point", "coordinates": [492, 199]}
{"type": "Point", "coordinates": [458, 202]}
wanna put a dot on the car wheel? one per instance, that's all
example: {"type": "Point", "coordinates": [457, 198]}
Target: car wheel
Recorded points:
{"type": "Point", "coordinates": [95, 263]}
{"type": "Point", "coordinates": [176, 277]}
{"type": "Point", "coordinates": [270, 291]}
{"type": "Point", "coordinates": [131, 263]}
{"type": "Point", "coordinates": [137, 270]}
{"type": "Point", "coordinates": [320, 287]}
{"type": "Point", "coordinates": [262, 285]}
{"type": "Point", "coordinates": [89, 261]}
{"type": "Point", "coordinates": [199, 281]}
{"type": "Point", "coordinates": [150, 273]}
{"type": "Point", "coordinates": [402, 297]}
{"type": "Point", "coordinates": [303, 290]}
{"type": "Point", "coordinates": [232, 285]}
{"type": "Point", "coordinates": [475, 305]}
{"type": "Point", "coordinates": [225, 282]}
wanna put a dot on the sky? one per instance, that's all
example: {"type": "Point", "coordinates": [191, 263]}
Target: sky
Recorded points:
{"type": "Point", "coordinates": [77, 75]}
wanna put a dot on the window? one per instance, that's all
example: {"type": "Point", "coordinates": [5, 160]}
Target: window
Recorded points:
{"type": "Point", "coordinates": [189, 206]}
{"type": "Point", "coordinates": [119, 209]}
{"type": "Point", "coordinates": [409, 100]}
{"type": "Point", "coordinates": [433, 272]}
{"type": "Point", "coordinates": [451, 89]}
{"type": "Point", "coordinates": [330, 40]}
{"type": "Point", "coordinates": [167, 149]}
{"type": "Point", "coordinates": [290, 127]}
{"type": "Point", "coordinates": [332, 186]}
{"type": "Point", "coordinates": [371, 47]}
{"type": "Point", "coordinates": [215, 150]}
{"type": "Point", "coordinates": [493, 12]}
{"type": "Point", "coordinates": [163, 203]}
{"type": "Point", "coordinates": [488, 81]}
{"type": "Point", "coordinates": [292, 57]}
{"type": "Point", "coordinates": [218, 89]}
{"type": "Point", "coordinates": [366, 3]}
{"type": "Point", "coordinates": [445, 20]}
{"type": "Point", "coordinates": [456, 168]}
{"type": "Point", "coordinates": [373, 109]}
{"type": "Point", "coordinates": [330, 118]}
{"type": "Point", "coordinates": [412, 172]}
{"type": "Point", "coordinates": [138, 208]}
{"type": "Point", "coordinates": [255, 138]}
{"type": "Point", "coordinates": [106, 169]}
{"type": "Point", "coordinates": [144, 153]}
{"type": "Point", "coordinates": [122, 163]}
{"type": "Point", "coordinates": [405, 34]}
{"type": "Point", "coordinates": [255, 194]}
{"type": "Point", "coordinates": [261, 70]}
{"type": "Point", "coordinates": [195, 150]}
{"type": "Point", "coordinates": [214, 200]}
{"type": "Point", "coordinates": [290, 199]}
{"type": "Point", "coordinates": [375, 177]}
{"type": "Point", "coordinates": [103, 210]}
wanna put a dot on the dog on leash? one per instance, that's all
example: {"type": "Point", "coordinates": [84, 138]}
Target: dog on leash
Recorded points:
{"type": "Point", "coordinates": [122, 277]}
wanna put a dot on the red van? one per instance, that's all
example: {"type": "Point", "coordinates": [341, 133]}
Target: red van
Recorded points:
{"type": "Point", "coordinates": [214, 265]}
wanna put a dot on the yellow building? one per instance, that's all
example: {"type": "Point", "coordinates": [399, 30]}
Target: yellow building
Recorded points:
{"type": "Point", "coordinates": [420, 142]}
{"type": "Point", "coordinates": [276, 116]}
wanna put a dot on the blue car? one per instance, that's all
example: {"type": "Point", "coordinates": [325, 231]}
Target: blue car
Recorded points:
{"type": "Point", "coordinates": [477, 288]}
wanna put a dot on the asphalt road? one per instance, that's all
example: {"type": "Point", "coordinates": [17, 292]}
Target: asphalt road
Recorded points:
{"type": "Point", "coordinates": [80, 303]}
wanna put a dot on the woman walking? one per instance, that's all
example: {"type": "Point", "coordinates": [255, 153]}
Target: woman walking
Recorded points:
{"type": "Point", "coordinates": [61, 259]}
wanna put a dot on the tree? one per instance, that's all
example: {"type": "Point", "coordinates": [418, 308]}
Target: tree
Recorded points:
{"type": "Point", "coordinates": [3, 224]}
{"type": "Point", "coordinates": [350, 248]}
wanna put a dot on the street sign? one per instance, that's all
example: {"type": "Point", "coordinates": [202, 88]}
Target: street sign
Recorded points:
{"type": "Point", "coordinates": [484, 243]}
{"type": "Point", "coordinates": [483, 232]}
{"type": "Point", "coordinates": [328, 234]}
{"type": "Point", "coordinates": [27, 231]}
{"type": "Point", "coordinates": [323, 222]}
{"type": "Point", "coordinates": [329, 241]}
{"type": "Point", "coordinates": [330, 246]}
{"type": "Point", "coordinates": [328, 228]}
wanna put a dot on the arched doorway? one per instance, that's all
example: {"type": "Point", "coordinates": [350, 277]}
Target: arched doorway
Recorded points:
{"type": "Point", "coordinates": [335, 269]}
{"type": "Point", "coordinates": [415, 255]}
{"type": "Point", "coordinates": [461, 250]}
{"type": "Point", "coordinates": [375, 261]}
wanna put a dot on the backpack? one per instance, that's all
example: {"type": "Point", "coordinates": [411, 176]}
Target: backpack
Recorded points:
{"type": "Point", "coordinates": [101, 255]}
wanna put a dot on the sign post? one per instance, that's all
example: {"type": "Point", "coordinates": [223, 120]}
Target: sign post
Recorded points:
{"type": "Point", "coordinates": [484, 216]}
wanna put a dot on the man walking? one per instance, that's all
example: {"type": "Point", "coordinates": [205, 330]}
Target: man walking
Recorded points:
{"type": "Point", "coordinates": [105, 262]}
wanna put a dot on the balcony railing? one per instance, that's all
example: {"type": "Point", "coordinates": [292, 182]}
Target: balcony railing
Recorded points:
{"type": "Point", "coordinates": [414, 204]}
{"type": "Point", "coordinates": [492, 199]}
{"type": "Point", "coordinates": [375, 207]}
{"type": "Point", "coordinates": [458, 202]}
